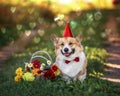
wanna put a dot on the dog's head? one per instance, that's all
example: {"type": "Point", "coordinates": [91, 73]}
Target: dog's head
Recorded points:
{"type": "Point", "coordinates": [67, 46]}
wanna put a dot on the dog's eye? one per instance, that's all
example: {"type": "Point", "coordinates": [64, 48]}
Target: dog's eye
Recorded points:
{"type": "Point", "coordinates": [70, 43]}
{"type": "Point", "coordinates": [62, 44]}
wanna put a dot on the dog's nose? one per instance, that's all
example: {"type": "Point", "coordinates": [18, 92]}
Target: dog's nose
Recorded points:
{"type": "Point", "coordinates": [66, 49]}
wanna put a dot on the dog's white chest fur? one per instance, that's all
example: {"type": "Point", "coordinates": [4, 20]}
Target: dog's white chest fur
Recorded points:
{"type": "Point", "coordinates": [73, 68]}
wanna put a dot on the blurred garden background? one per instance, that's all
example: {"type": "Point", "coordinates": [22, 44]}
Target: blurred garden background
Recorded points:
{"type": "Point", "coordinates": [26, 27]}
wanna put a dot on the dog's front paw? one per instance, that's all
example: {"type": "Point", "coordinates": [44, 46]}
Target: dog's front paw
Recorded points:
{"type": "Point", "coordinates": [67, 79]}
{"type": "Point", "coordinates": [82, 77]}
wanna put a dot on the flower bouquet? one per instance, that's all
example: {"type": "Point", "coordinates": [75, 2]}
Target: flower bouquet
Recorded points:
{"type": "Point", "coordinates": [35, 69]}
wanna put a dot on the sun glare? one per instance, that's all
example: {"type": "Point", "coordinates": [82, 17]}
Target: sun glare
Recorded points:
{"type": "Point", "coordinates": [65, 1]}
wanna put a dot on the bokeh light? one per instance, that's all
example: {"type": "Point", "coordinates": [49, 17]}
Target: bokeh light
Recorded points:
{"type": "Point", "coordinates": [98, 15]}
{"type": "Point", "coordinates": [27, 33]}
{"type": "Point", "coordinates": [13, 9]}
{"type": "Point", "coordinates": [19, 26]}
{"type": "Point", "coordinates": [41, 32]}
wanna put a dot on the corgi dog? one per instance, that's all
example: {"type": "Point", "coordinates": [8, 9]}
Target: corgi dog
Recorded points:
{"type": "Point", "coordinates": [70, 58]}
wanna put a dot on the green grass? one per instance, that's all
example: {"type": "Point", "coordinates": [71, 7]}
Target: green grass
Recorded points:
{"type": "Point", "coordinates": [93, 85]}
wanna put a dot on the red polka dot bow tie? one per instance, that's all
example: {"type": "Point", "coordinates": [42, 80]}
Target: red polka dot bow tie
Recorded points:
{"type": "Point", "coordinates": [76, 60]}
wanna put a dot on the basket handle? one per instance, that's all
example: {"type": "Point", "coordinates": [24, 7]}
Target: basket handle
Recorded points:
{"type": "Point", "coordinates": [35, 55]}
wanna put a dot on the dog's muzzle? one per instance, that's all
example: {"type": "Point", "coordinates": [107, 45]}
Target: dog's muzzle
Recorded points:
{"type": "Point", "coordinates": [67, 53]}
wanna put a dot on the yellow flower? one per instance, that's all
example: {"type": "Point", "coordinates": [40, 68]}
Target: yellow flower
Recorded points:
{"type": "Point", "coordinates": [18, 70]}
{"type": "Point", "coordinates": [17, 78]}
{"type": "Point", "coordinates": [28, 76]}
{"type": "Point", "coordinates": [57, 72]}
{"type": "Point", "coordinates": [20, 74]}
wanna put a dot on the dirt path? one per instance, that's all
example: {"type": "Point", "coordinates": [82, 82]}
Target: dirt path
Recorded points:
{"type": "Point", "coordinates": [112, 65]}
{"type": "Point", "coordinates": [16, 46]}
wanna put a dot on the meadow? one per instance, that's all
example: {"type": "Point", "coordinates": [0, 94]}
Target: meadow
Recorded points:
{"type": "Point", "coordinates": [90, 25]}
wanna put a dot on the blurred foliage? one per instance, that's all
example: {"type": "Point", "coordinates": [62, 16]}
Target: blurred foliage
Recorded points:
{"type": "Point", "coordinates": [17, 16]}
{"type": "Point", "coordinates": [16, 19]}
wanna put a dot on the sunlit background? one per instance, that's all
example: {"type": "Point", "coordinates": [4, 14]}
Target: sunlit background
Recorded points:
{"type": "Point", "coordinates": [26, 26]}
{"type": "Point", "coordinates": [21, 16]}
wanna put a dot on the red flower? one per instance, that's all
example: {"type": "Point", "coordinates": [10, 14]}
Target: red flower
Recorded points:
{"type": "Point", "coordinates": [36, 63]}
{"type": "Point", "coordinates": [49, 74]}
{"type": "Point", "coordinates": [54, 68]}
{"type": "Point", "coordinates": [39, 72]}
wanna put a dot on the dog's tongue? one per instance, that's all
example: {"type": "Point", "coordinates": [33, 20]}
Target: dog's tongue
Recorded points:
{"type": "Point", "coordinates": [67, 54]}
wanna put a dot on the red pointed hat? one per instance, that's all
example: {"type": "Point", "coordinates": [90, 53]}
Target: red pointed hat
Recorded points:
{"type": "Point", "coordinates": [67, 31]}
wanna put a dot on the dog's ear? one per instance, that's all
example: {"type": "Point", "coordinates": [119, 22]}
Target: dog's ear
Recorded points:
{"type": "Point", "coordinates": [79, 38]}
{"type": "Point", "coordinates": [54, 39]}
